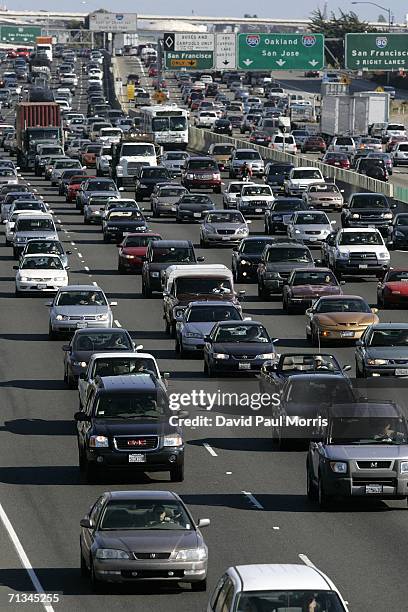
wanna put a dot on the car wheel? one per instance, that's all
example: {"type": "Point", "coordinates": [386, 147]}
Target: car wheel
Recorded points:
{"type": "Point", "coordinates": [323, 498]}
{"type": "Point", "coordinates": [71, 383]}
{"type": "Point", "coordinates": [91, 472]}
{"type": "Point", "coordinates": [84, 568]}
{"type": "Point", "coordinates": [217, 189]}
{"type": "Point", "coordinates": [86, 221]}
{"type": "Point", "coordinates": [96, 585]}
{"type": "Point", "coordinates": [380, 301]}
{"type": "Point", "coordinates": [52, 335]}
{"type": "Point", "coordinates": [311, 491]}
{"type": "Point", "coordinates": [177, 473]}
{"type": "Point", "coordinates": [360, 372]}
{"type": "Point", "coordinates": [198, 587]}
{"type": "Point", "coordinates": [210, 372]}
{"type": "Point", "coordinates": [314, 338]}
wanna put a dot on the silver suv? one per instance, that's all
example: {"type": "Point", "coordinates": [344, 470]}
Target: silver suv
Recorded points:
{"type": "Point", "coordinates": [248, 156]}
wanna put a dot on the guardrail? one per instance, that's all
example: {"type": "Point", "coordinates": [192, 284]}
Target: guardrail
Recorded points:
{"type": "Point", "coordinates": [200, 140]}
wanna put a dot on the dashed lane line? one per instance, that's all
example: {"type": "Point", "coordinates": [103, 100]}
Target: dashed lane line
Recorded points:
{"type": "Point", "coordinates": [210, 449]}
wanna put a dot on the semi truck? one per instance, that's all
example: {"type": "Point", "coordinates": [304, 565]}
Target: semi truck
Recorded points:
{"type": "Point", "coordinates": [353, 115]}
{"type": "Point", "coordinates": [36, 122]}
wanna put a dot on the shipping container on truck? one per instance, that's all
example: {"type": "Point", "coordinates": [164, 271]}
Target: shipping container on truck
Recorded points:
{"type": "Point", "coordinates": [352, 115]}
{"type": "Point", "coordinates": [35, 120]}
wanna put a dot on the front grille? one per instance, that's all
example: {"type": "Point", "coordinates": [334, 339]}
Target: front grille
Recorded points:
{"type": "Point", "coordinates": [398, 361]}
{"type": "Point", "coordinates": [312, 232]}
{"type": "Point", "coordinates": [374, 465]}
{"type": "Point", "coordinates": [135, 443]}
{"type": "Point", "coordinates": [82, 318]}
{"type": "Point", "coordinates": [243, 357]}
{"type": "Point", "coordinates": [225, 232]}
{"type": "Point", "coordinates": [153, 574]}
{"type": "Point", "coordinates": [364, 481]}
{"type": "Point", "coordinates": [147, 555]}
{"type": "Point", "coordinates": [363, 257]}
{"type": "Point", "coordinates": [132, 168]}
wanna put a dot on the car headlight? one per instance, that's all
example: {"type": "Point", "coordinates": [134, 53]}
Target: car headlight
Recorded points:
{"type": "Point", "coordinates": [404, 467]}
{"type": "Point", "coordinates": [128, 256]}
{"type": "Point", "coordinates": [57, 278]}
{"type": "Point", "coordinates": [375, 362]}
{"type": "Point", "coordinates": [23, 279]}
{"type": "Point", "coordinates": [112, 227]}
{"type": "Point", "coordinates": [192, 554]}
{"type": "Point", "coordinates": [297, 231]}
{"type": "Point", "coordinates": [244, 262]}
{"type": "Point", "coordinates": [61, 317]}
{"type": "Point", "coordinates": [221, 356]}
{"type": "Point", "coordinates": [399, 234]}
{"type": "Point", "coordinates": [193, 335]}
{"type": "Point", "coordinates": [355, 216]}
{"type": "Point", "coordinates": [242, 230]}
{"type": "Point", "coordinates": [190, 176]}
{"type": "Point", "coordinates": [81, 364]}
{"type": "Point", "coordinates": [102, 317]}
{"type": "Point", "coordinates": [20, 239]}
{"type": "Point", "coordinates": [343, 255]}
{"type": "Point", "coordinates": [154, 274]}
{"type": "Point", "coordinates": [383, 255]}
{"type": "Point", "coordinates": [265, 356]}
{"type": "Point", "coordinates": [119, 171]}
{"type": "Point", "coordinates": [98, 442]}
{"type": "Point", "coordinates": [111, 553]}
{"type": "Point", "coordinates": [173, 440]}
{"type": "Point", "coordinates": [387, 215]}
{"type": "Point", "coordinates": [339, 467]}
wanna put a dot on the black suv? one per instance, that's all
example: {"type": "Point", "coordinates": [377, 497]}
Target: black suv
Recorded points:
{"type": "Point", "coordinates": [277, 262]}
{"type": "Point", "coordinates": [368, 210]}
{"type": "Point", "coordinates": [160, 255]}
{"type": "Point", "coordinates": [126, 425]}
{"type": "Point", "coordinates": [121, 221]}
{"type": "Point", "coordinates": [278, 216]}
{"type": "Point", "coordinates": [147, 179]}
{"type": "Point", "coordinates": [246, 256]}
{"type": "Point", "coordinates": [276, 174]}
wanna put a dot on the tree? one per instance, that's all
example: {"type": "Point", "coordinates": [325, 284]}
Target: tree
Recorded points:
{"type": "Point", "coordinates": [381, 19]}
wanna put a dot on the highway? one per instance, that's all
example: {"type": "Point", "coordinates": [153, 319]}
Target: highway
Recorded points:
{"type": "Point", "coordinates": [253, 494]}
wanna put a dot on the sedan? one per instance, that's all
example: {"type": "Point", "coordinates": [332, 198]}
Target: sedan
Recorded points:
{"type": "Point", "coordinates": [398, 231]}
{"type": "Point", "coordinates": [262, 139]}
{"type": "Point", "coordinates": [240, 346]}
{"type": "Point", "coordinates": [340, 318]}
{"type": "Point", "coordinates": [128, 536]}
{"type": "Point", "coordinates": [46, 247]}
{"type": "Point", "coordinates": [247, 256]}
{"type": "Point", "coordinates": [306, 286]}
{"type": "Point", "coordinates": [310, 227]}
{"type": "Point", "coordinates": [65, 179]}
{"type": "Point", "coordinates": [327, 196]}
{"type": "Point", "coordinates": [193, 207]}
{"type": "Point", "coordinates": [223, 227]}
{"type": "Point", "coordinates": [339, 160]}
{"type": "Point", "coordinates": [312, 144]}
{"type": "Point", "coordinates": [233, 190]}
{"type": "Point", "coordinates": [165, 197]}
{"type": "Point", "coordinates": [279, 215]}
{"type": "Point", "coordinates": [383, 351]}
{"type": "Point", "coordinates": [77, 307]}
{"type": "Point", "coordinates": [121, 221]}
{"type": "Point", "coordinates": [174, 161]}
{"type": "Point", "coordinates": [132, 250]}
{"type": "Point", "coordinates": [392, 290]}
{"type": "Point", "coordinates": [85, 343]}
{"type": "Point", "coordinates": [40, 273]}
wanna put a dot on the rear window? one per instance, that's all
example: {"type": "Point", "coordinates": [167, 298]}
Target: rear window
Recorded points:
{"type": "Point", "coordinates": [203, 165]}
{"type": "Point", "coordinates": [403, 147]}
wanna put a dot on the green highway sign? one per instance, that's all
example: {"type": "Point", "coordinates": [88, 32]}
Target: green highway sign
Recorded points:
{"type": "Point", "coordinates": [189, 60]}
{"type": "Point", "coordinates": [280, 51]}
{"type": "Point", "coordinates": [376, 51]}
{"type": "Point", "coordinates": [19, 34]}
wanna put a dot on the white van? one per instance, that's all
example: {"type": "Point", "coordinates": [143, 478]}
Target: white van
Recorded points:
{"type": "Point", "coordinates": [284, 142]}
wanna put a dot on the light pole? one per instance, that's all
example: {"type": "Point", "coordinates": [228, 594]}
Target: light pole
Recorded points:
{"type": "Point", "coordinates": [387, 10]}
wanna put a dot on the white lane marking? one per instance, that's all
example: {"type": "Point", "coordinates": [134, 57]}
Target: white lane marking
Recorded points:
{"type": "Point", "coordinates": [116, 322]}
{"type": "Point", "coordinates": [80, 255]}
{"type": "Point", "coordinates": [228, 473]}
{"type": "Point", "coordinates": [23, 557]}
{"type": "Point", "coordinates": [253, 500]}
{"type": "Point", "coordinates": [276, 528]}
{"type": "Point", "coordinates": [73, 243]}
{"type": "Point", "coordinates": [59, 221]}
{"type": "Point", "coordinates": [306, 560]}
{"type": "Point", "coordinates": [86, 268]}
{"type": "Point", "coordinates": [210, 449]}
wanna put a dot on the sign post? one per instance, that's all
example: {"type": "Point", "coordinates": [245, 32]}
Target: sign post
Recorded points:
{"type": "Point", "coordinates": [385, 52]}
{"type": "Point", "coordinates": [280, 52]}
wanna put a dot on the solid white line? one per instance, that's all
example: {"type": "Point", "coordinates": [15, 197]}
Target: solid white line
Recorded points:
{"type": "Point", "coordinates": [253, 500]}
{"type": "Point", "coordinates": [306, 560]}
{"type": "Point", "coordinates": [210, 450]}
{"type": "Point", "coordinates": [116, 322]}
{"type": "Point", "coordinates": [23, 557]}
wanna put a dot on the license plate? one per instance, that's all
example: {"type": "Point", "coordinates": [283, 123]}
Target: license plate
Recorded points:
{"type": "Point", "coordinates": [244, 366]}
{"type": "Point", "coordinates": [362, 266]}
{"type": "Point", "coordinates": [81, 325]}
{"type": "Point", "coordinates": [137, 458]}
{"type": "Point", "coordinates": [225, 237]}
{"type": "Point", "coordinates": [258, 210]}
{"type": "Point", "coordinates": [374, 488]}
{"type": "Point", "coordinates": [312, 239]}
{"type": "Point", "coordinates": [197, 215]}
{"type": "Point", "coordinates": [347, 334]}
{"type": "Point", "coordinates": [42, 286]}
{"type": "Point", "coordinates": [343, 148]}
{"type": "Point", "coordinates": [401, 372]}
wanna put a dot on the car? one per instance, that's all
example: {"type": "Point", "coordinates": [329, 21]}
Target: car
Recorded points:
{"type": "Point", "coordinates": [398, 232]}
{"type": "Point", "coordinates": [197, 321]}
{"type": "Point", "coordinates": [327, 197]}
{"type": "Point", "coordinates": [85, 342]}
{"type": "Point", "coordinates": [132, 250]}
{"type": "Point", "coordinates": [277, 262]}
{"type": "Point", "coordinates": [372, 167]}
{"type": "Point", "coordinates": [93, 186]}
{"type": "Point", "coordinates": [77, 307]}
{"type": "Point", "coordinates": [147, 179]}
{"type": "Point", "coordinates": [291, 586]}
{"type": "Point", "coordinates": [110, 203]}
{"type": "Point", "coordinates": [254, 199]}
{"type": "Point", "coordinates": [339, 160]}
{"type": "Point", "coordinates": [370, 143]}
{"type": "Point", "coordinates": [18, 208]}
{"type": "Point", "coordinates": [229, 195]}
{"type": "Point", "coordinates": [165, 197]}
{"type": "Point", "coordinates": [368, 210]}
{"type": "Point", "coordinates": [65, 179]}
{"type": "Point", "coordinates": [221, 152]}
{"type": "Point", "coordinates": [45, 246]}
{"type": "Point", "coordinates": [174, 161]}
{"type": "Point", "coordinates": [8, 176]}
{"type": "Point", "coordinates": [246, 156]}
{"type": "Point", "coordinates": [160, 255]}
{"type": "Point", "coordinates": [95, 207]}
{"type": "Point", "coordinates": [385, 157]}
{"type": "Point", "coordinates": [12, 196]}
{"type": "Point", "coordinates": [32, 225]}
{"type": "Point", "coordinates": [206, 119]}
{"type": "Point", "coordinates": [121, 521]}
{"type": "Point", "coordinates": [223, 227]}
{"type": "Point", "coordinates": [40, 273]}
{"type": "Point", "coordinates": [193, 207]}
{"type": "Point", "coordinates": [392, 290]}
{"type": "Point", "coordinates": [5, 189]}
{"type": "Point", "coordinates": [383, 351]}
{"type": "Point", "coordinates": [278, 215]}
{"type": "Point", "coordinates": [126, 426]}
{"type": "Point", "coordinates": [223, 126]}
{"type": "Point", "coordinates": [49, 164]}
{"type": "Point", "coordinates": [399, 154]}
{"type": "Point", "coordinates": [283, 142]}
{"type": "Point", "coordinates": [237, 346]}
{"type": "Point", "coordinates": [120, 221]}
{"type": "Point", "coordinates": [303, 287]}
{"type": "Point", "coordinates": [343, 144]}
{"type": "Point", "coordinates": [339, 318]}
{"type": "Point", "coordinates": [363, 452]}
{"type": "Point", "coordinates": [201, 173]}
{"type": "Point", "coordinates": [311, 227]}
{"type": "Point", "coordinates": [247, 255]}
{"type": "Point", "coordinates": [300, 178]}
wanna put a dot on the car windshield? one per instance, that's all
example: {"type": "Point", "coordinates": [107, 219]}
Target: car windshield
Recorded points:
{"type": "Point", "coordinates": [247, 155]}
{"type": "Point", "coordinates": [254, 247]}
{"type": "Point", "coordinates": [242, 333]}
{"type": "Point", "coordinates": [342, 305]}
{"type": "Point", "coordinates": [139, 241]}
{"type": "Point", "coordinates": [254, 190]}
{"type": "Point", "coordinates": [367, 430]}
{"type": "Point", "coordinates": [295, 601]}
{"type": "Point", "coordinates": [314, 278]}
{"type": "Point", "coordinates": [99, 201]}
{"type": "Point", "coordinates": [318, 391]}
{"type": "Point", "coordinates": [307, 174]}
{"type": "Point", "coordinates": [173, 255]}
{"type": "Point", "coordinates": [205, 314]}
{"type": "Point", "coordinates": [171, 192]}
{"type": "Point", "coordinates": [276, 170]}
{"type": "Point", "coordinates": [202, 285]}
{"type": "Point", "coordinates": [28, 205]}
{"type": "Point", "coordinates": [125, 215]}
{"type": "Point", "coordinates": [145, 514]}
{"type": "Point", "coordinates": [130, 406]}
{"type": "Point", "coordinates": [196, 198]}
{"type": "Point", "coordinates": [70, 163]}
{"type": "Point", "coordinates": [155, 173]}
{"type": "Point", "coordinates": [389, 337]}
{"type": "Point", "coordinates": [6, 172]}
{"type": "Point", "coordinates": [360, 238]}
{"type": "Point", "coordinates": [137, 150]}
{"type": "Point", "coordinates": [92, 149]}
{"type": "Point", "coordinates": [114, 366]}
{"type": "Point", "coordinates": [41, 263]}
{"type": "Point", "coordinates": [403, 147]}
{"type": "Point", "coordinates": [223, 149]}
{"type": "Point", "coordinates": [312, 219]}
{"type": "Point", "coordinates": [33, 225]}
{"type": "Point", "coordinates": [397, 276]}
{"type": "Point", "coordinates": [285, 206]}
{"type": "Point", "coordinates": [227, 217]}
{"type": "Point", "coordinates": [101, 186]}
{"type": "Point", "coordinates": [286, 254]}
{"type": "Point", "coordinates": [44, 246]}
{"type": "Point", "coordinates": [202, 165]}
{"type": "Point", "coordinates": [369, 201]}
{"type": "Point", "coordinates": [102, 340]}
{"type": "Point", "coordinates": [309, 363]}
{"type": "Point", "coordinates": [176, 156]}
{"type": "Point", "coordinates": [81, 298]}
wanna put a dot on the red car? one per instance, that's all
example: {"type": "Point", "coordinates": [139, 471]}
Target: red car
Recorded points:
{"type": "Point", "coordinates": [23, 52]}
{"type": "Point", "coordinates": [393, 289]}
{"type": "Point", "coordinates": [132, 251]}
{"type": "Point", "coordinates": [340, 160]}
{"type": "Point", "coordinates": [313, 143]}
{"type": "Point", "coordinates": [153, 71]}
{"type": "Point", "coordinates": [394, 140]}
{"type": "Point", "coordinates": [74, 185]}
{"type": "Point", "coordinates": [11, 53]}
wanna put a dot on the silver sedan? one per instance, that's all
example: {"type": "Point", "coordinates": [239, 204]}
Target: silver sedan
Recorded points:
{"type": "Point", "coordinates": [309, 226]}
{"type": "Point", "coordinates": [223, 227]}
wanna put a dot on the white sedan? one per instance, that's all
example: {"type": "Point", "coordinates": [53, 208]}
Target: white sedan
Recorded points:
{"type": "Point", "coordinates": [40, 272]}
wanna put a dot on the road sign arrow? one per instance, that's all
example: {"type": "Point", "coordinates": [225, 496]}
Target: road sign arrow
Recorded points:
{"type": "Point", "coordinates": [225, 62]}
{"type": "Point", "coordinates": [313, 63]}
{"type": "Point", "coordinates": [280, 62]}
{"type": "Point", "coordinates": [247, 62]}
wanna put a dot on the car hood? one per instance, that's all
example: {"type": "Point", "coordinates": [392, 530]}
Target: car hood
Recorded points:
{"type": "Point", "coordinates": [50, 235]}
{"type": "Point", "coordinates": [80, 310]}
{"type": "Point", "coordinates": [186, 298]}
{"type": "Point", "coordinates": [346, 318]}
{"type": "Point", "coordinates": [137, 251]}
{"type": "Point", "coordinates": [125, 223]}
{"type": "Point", "coordinates": [387, 352]}
{"type": "Point", "coordinates": [198, 328]}
{"type": "Point", "coordinates": [153, 181]}
{"type": "Point", "coordinates": [86, 355]}
{"type": "Point", "coordinates": [361, 248]}
{"type": "Point", "coordinates": [378, 212]}
{"type": "Point", "coordinates": [243, 348]}
{"type": "Point", "coordinates": [282, 266]}
{"type": "Point", "coordinates": [377, 452]}
{"type": "Point", "coordinates": [225, 226]}
{"type": "Point", "coordinates": [45, 273]}
{"type": "Point", "coordinates": [196, 206]}
{"type": "Point", "coordinates": [401, 228]}
{"type": "Point", "coordinates": [325, 195]}
{"type": "Point", "coordinates": [316, 290]}
{"type": "Point", "coordinates": [168, 200]}
{"type": "Point", "coordinates": [400, 286]}
{"type": "Point", "coordinates": [132, 427]}
{"type": "Point", "coordinates": [314, 227]}
{"type": "Point", "coordinates": [250, 198]}
{"type": "Point", "coordinates": [148, 540]}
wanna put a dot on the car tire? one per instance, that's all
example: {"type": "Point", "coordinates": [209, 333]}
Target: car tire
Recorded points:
{"type": "Point", "coordinates": [323, 498]}
{"type": "Point", "coordinates": [91, 472]}
{"type": "Point", "coordinates": [177, 473]}
{"type": "Point", "coordinates": [360, 372]}
{"type": "Point", "coordinates": [199, 587]}
{"type": "Point", "coordinates": [311, 491]}
{"type": "Point", "coordinates": [217, 189]}
{"type": "Point", "coordinates": [96, 585]}
{"type": "Point", "coordinates": [52, 335]}
{"type": "Point", "coordinates": [70, 380]}
{"type": "Point", "coordinates": [121, 269]}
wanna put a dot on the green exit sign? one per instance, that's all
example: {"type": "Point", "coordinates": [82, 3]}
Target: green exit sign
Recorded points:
{"type": "Point", "coordinates": [377, 51]}
{"type": "Point", "coordinates": [280, 51]}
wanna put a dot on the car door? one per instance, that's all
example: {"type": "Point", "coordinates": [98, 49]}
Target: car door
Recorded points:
{"type": "Point", "coordinates": [361, 349]}
{"type": "Point", "coordinates": [88, 534]}
{"type": "Point", "coordinates": [84, 426]}
{"type": "Point", "coordinates": [84, 383]}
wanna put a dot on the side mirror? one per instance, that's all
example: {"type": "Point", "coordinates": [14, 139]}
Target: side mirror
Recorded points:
{"type": "Point", "coordinates": [359, 342]}
{"type": "Point", "coordinates": [86, 522]}
{"type": "Point", "coordinates": [203, 522]}
{"type": "Point", "coordinates": [308, 311]}
{"type": "Point", "coordinates": [138, 347]}
{"type": "Point", "coordinates": [113, 303]}
{"type": "Point", "coordinates": [200, 259]}
{"type": "Point", "coordinates": [81, 416]}
{"type": "Point", "coordinates": [66, 348]}
{"type": "Point", "coordinates": [207, 339]}
{"type": "Point", "coordinates": [82, 376]}
{"type": "Point", "coordinates": [48, 304]}
{"type": "Point", "coordinates": [346, 368]}
{"type": "Point", "coordinates": [68, 252]}
{"type": "Point", "coordinates": [374, 310]}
